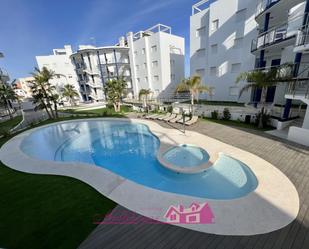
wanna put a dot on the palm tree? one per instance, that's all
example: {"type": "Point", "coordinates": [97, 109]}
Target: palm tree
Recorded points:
{"type": "Point", "coordinates": [70, 93]}
{"type": "Point", "coordinates": [144, 93]}
{"type": "Point", "coordinates": [194, 86]}
{"type": "Point", "coordinates": [114, 90]}
{"type": "Point", "coordinates": [7, 95]}
{"type": "Point", "coordinates": [262, 79]}
{"type": "Point", "coordinates": [42, 90]}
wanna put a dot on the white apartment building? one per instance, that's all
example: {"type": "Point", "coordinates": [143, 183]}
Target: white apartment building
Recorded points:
{"type": "Point", "coordinates": [97, 65]}
{"type": "Point", "coordinates": [61, 64]}
{"type": "Point", "coordinates": [220, 43]}
{"type": "Point", "coordinates": [157, 60]}
{"type": "Point", "coordinates": [283, 38]}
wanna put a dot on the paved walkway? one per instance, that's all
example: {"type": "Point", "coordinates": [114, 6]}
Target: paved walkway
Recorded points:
{"type": "Point", "coordinates": [290, 158]}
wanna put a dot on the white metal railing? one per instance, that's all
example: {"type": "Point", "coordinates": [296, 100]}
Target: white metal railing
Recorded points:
{"type": "Point", "coordinates": [263, 5]}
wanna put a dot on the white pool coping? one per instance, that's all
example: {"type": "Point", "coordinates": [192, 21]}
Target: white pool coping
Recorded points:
{"type": "Point", "coordinates": [271, 206]}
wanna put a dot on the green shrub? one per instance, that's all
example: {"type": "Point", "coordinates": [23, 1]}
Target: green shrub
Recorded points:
{"type": "Point", "coordinates": [226, 114]}
{"type": "Point", "coordinates": [265, 118]}
{"type": "Point", "coordinates": [214, 114]}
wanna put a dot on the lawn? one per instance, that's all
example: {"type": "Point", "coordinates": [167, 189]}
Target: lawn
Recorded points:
{"type": "Point", "coordinates": [9, 124]}
{"type": "Point", "coordinates": [44, 211]}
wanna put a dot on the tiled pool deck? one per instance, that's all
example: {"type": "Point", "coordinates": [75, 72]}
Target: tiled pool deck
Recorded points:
{"type": "Point", "coordinates": [291, 159]}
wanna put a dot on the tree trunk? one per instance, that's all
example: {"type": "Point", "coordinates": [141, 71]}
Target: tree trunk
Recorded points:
{"type": "Point", "coordinates": [115, 106]}
{"type": "Point", "coordinates": [263, 100]}
{"type": "Point", "coordinates": [56, 109]}
{"type": "Point", "coordinates": [192, 103]}
{"type": "Point", "coordinates": [46, 109]}
{"type": "Point", "coordinates": [8, 109]}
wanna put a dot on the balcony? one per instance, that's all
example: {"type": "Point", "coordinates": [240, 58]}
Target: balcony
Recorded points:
{"type": "Point", "coordinates": [263, 5]}
{"type": "Point", "coordinates": [302, 40]}
{"type": "Point", "coordinates": [281, 35]}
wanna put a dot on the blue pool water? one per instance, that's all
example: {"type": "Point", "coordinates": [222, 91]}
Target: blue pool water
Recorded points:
{"type": "Point", "coordinates": [185, 156]}
{"type": "Point", "coordinates": [129, 150]}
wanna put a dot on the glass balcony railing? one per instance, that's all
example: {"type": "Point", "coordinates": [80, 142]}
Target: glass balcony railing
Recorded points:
{"type": "Point", "coordinates": [262, 5]}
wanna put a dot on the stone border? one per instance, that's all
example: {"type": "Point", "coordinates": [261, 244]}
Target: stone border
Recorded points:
{"type": "Point", "coordinates": [271, 206]}
{"type": "Point", "coordinates": [189, 170]}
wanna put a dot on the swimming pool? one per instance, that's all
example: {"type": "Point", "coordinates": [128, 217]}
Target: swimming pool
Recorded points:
{"type": "Point", "coordinates": [129, 150]}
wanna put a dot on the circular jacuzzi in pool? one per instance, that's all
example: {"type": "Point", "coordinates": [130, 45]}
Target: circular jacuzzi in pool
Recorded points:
{"type": "Point", "coordinates": [185, 158]}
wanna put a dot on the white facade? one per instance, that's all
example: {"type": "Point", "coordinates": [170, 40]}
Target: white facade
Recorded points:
{"type": "Point", "coordinates": [97, 65]}
{"type": "Point", "coordinates": [220, 45]}
{"type": "Point", "coordinates": [157, 60]}
{"type": "Point", "coordinates": [61, 64]}
{"type": "Point", "coordinates": [284, 39]}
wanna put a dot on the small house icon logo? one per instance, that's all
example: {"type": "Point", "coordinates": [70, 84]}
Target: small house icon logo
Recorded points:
{"type": "Point", "coordinates": [195, 214]}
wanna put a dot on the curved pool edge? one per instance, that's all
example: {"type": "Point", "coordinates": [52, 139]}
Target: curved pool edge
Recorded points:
{"type": "Point", "coordinates": [271, 206]}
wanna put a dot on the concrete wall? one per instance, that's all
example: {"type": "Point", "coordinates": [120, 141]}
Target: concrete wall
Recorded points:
{"type": "Point", "coordinates": [236, 22]}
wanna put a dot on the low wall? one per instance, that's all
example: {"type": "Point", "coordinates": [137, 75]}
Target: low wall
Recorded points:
{"type": "Point", "coordinates": [299, 135]}
{"type": "Point", "coordinates": [237, 112]}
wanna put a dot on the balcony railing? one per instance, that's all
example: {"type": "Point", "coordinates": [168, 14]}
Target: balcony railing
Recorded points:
{"type": "Point", "coordinates": [271, 37]}
{"type": "Point", "coordinates": [300, 88]}
{"type": "Point", "coordinates": [262, 5]}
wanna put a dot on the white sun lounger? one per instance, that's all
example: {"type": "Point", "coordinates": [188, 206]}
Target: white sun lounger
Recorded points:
{"type": "Point", "coordinates": [165, 116]}
{"type": "Point", "coordinates": [160, 116]}
{"type": "Point", "coordinates": [192, 121]}
{"type": "Point", "coordinates": [181, 120]}
{"type": "Point", "coordinates": [174, 115]}
{"type": "Point", "coordinates": [174, 120]}
{"type": "Point", "coordinates": [152, 116]}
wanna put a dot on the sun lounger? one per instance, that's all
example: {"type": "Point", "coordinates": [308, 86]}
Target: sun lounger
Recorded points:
{"type": "Point", "coordinates": [165, 116]}
{"type": "Point", "coordinates": [192, 121]}
{"type": "Point", "coordinates": [170, 117]}
{"type": "Point", "coordinates": [181, 120]}
{"type": "Point", "coordinates": [152, 116]}
{"type": "Point", "coordinates": [160, 116]}
{"type": "Point", "coordinates": [175, 119]}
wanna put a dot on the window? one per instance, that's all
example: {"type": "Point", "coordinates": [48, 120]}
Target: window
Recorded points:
{"type": "Point", "coordinates": [138, 80]}
{"type": "Point", "coordinates": [143, 51]}
{"type": "Point", "coordinates": [238, 42]}
{"type": "Point", "coordinates": [154, 63]}
{"type": "Point", "coordinates": [146, 79]}
{"type": "Point", "coordinates": [200, 72]}
{"type": "Point", "coordinates": [173, 217]}
{"type": "Point", "coordinates": [236, 67]}
{"type": "Point", "coordinates": [145, 65]}
{"type": "Point", "coordinates": [234, 91]}
{"type": "Point", "coordinates": [135, 53]}
{"type": "Point", "coordinates": [201, 32]}
{"type": "Point", "coordinates": [137, 67]}
{"type": "Point", "coordinates": [214, 48]}
{"type": "Point", "coordinates": [172, 62]}
{"type": "Point", "coordinates": [215, 25]}
{"type": "Point", "coordinates": [213, 71]}
{"type": "Point", "coordinates": [241, 15]}
{"type": "Point", "coordinates": [154, 49]}
{"type": "Point", "coordinates": [201, 52]}
{"type": "Point", "coordinates": [172, 77]}
{"type": "Point", "coordinates": [156, 78]}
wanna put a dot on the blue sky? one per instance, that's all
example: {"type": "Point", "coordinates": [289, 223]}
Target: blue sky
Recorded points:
{"type": "Point", "coordinates": [34, 27]}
